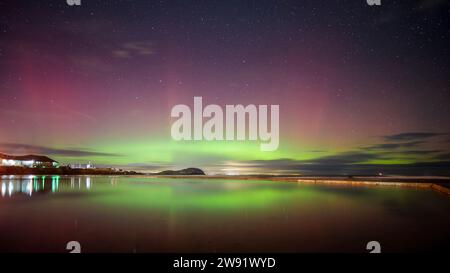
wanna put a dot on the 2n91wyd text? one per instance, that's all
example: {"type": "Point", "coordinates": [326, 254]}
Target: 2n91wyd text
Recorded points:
{"type": "Point", "coordinates": [232, 262]}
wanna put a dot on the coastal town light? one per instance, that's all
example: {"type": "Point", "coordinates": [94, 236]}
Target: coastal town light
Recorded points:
{"type": "Point", "coordinates": [28, 161]}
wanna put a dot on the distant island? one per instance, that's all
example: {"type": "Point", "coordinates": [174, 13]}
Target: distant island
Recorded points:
{"type": "Point", "coordinates": [188, 171]}
{"type": "Point", "coordinates": [43, 165]}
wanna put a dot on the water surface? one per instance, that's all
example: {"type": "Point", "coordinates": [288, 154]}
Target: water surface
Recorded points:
{"type": "Point", "coordinates": [143, 214]}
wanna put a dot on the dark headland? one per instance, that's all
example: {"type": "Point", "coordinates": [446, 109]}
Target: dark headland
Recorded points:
{"type": "Point", "coordinates": [188, 171]}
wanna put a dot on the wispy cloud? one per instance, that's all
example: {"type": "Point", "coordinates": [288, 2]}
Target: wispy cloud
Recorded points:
{"type": "Point", "coordinates": [393, 146]}
{"type": "Point", "coordinates": [412, 136]}
{"type": "Point", "coordinates": [344, 158]}
{"type": "Point", "coordinates": [20, 149]}
{"type": "Point", "coordinates": [340, 167]}
{"type": "Point", "coordinates": [141, 167]}
{"type": "Point", "coordinates": [443, 156]}
{"type": "Point", "coordinates": [131, 49]}
{"type": "Point", "coordinates": [417, 152]}
{"type": "Point", "coordinates": [59, 114]}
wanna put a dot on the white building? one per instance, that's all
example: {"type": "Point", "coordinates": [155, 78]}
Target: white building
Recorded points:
{"type": "Point", "coordinates": [28, 161]}
{"type": "Point", "coordinates": [82, 166]}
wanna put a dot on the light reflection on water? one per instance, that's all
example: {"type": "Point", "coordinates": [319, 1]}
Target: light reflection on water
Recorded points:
{"type": "Point", "coordinates": [29, 184]}
{"type": "Point", "coordinates": [146, 214]}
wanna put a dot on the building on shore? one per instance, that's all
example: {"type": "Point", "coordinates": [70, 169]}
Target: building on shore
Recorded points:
{"type": "Point", "coordinates": [82, 166]}
{"type": "Point", "coordinates": [27, 161]}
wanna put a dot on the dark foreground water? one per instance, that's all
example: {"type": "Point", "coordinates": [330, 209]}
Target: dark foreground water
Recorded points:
{"type": "Point", "coordinates": [132, 214]}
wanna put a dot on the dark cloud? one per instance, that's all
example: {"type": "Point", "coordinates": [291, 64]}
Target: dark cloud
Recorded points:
{"type": "Point", "coordinates": [412, 136]}
{"type": "Point", "coordinates": [419, 152]}
{"type": "Point", "coordinates": [18, 149]}
{"type": "Point", "coordinates": [359, 162]}
{"type": "Point", "coordinates": [140, 167]}
{"type": "Point", "coordinates": [338, 160]}
{"type": "Point", "coordinates": [393, 146]}
{"type": "Point", "coordinates": [352, 163]}
{"type": "Point", "coordinates": [344, 158]}
{"type": "Point", "coordinates": [286, 166]}
{"type": "Point", "coordinates": [443, 157]}
{"type": "Point", "coordinates": [404, 145]}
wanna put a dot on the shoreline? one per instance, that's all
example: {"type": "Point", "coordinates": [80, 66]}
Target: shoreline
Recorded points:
{"type": "Point", "coordinates": [438, 184]}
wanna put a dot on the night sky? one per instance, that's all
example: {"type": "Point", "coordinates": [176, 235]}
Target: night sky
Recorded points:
{"type": "Point", "coordinates": [362, 89]}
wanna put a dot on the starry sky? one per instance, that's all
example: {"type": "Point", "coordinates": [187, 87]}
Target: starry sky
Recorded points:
{"type": "Point", "coordinates": [362, 89]}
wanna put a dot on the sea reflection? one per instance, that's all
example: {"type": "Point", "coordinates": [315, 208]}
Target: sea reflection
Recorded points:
{"type": "Point", "coordinates": [12, 185]}
{"type": "Point", "coordinates": [153, 214]}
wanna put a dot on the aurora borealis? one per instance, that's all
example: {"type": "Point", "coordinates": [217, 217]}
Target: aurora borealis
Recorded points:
{"type": "Point", "coordinates": [361, 89]}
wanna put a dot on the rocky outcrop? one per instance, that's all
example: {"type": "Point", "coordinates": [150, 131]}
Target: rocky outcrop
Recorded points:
{"type": "Point", "coordinates": [188, 171]}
